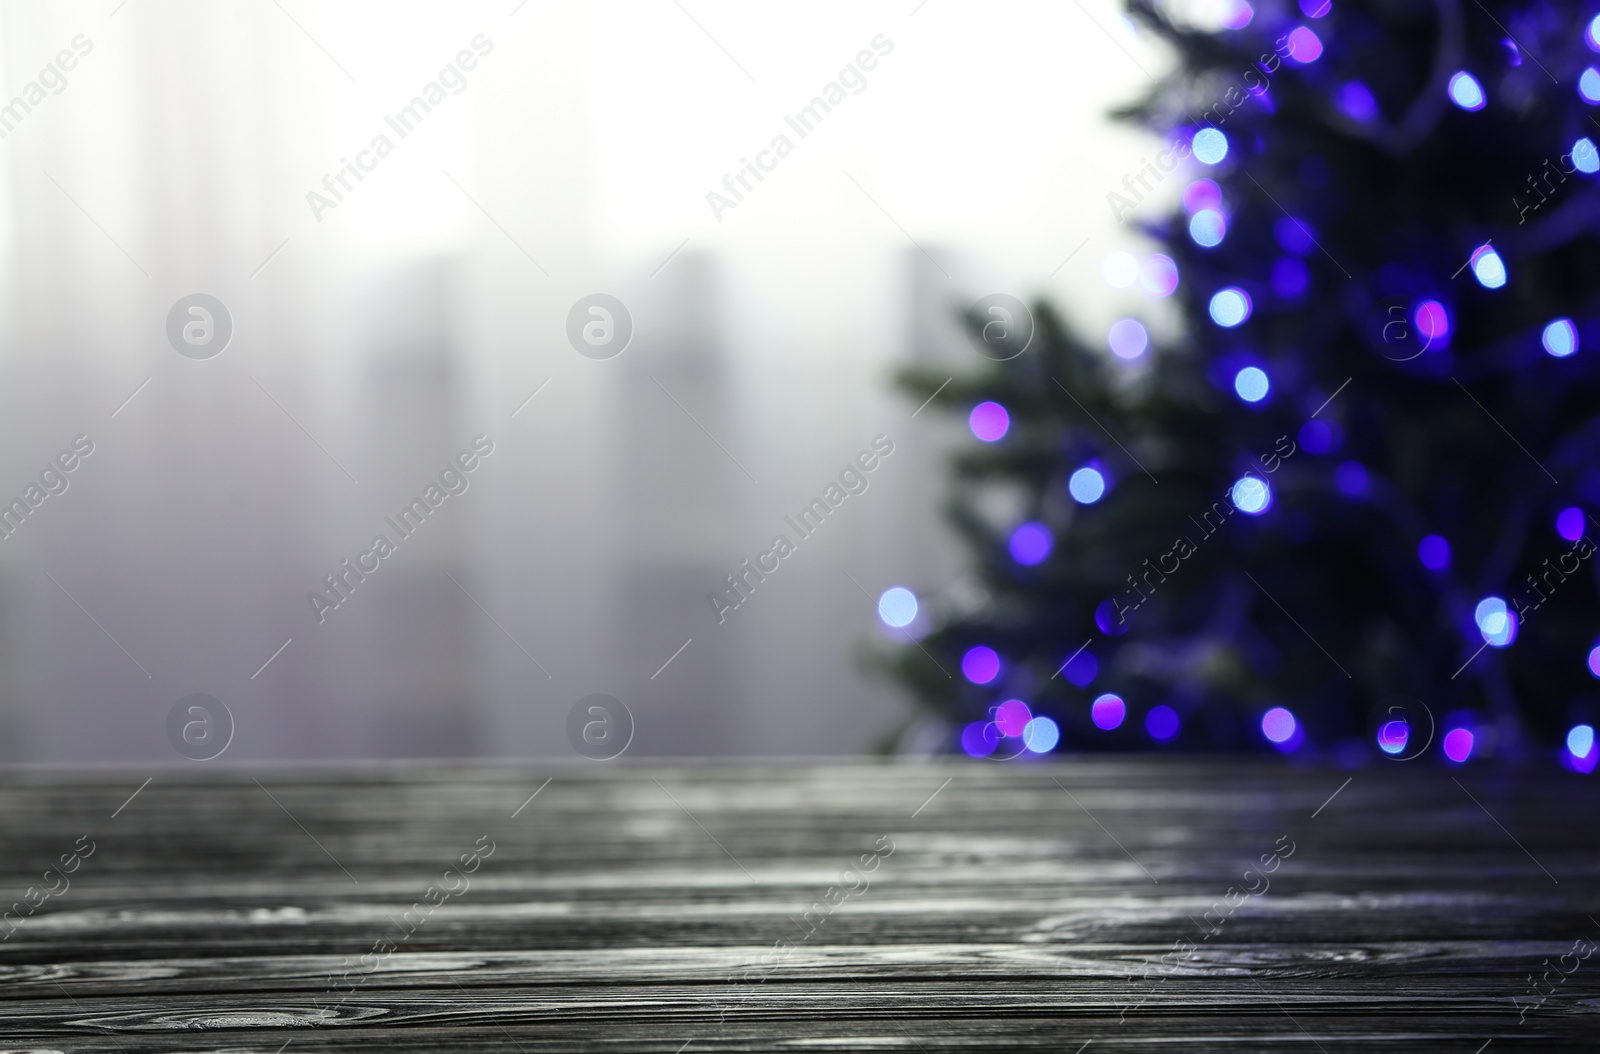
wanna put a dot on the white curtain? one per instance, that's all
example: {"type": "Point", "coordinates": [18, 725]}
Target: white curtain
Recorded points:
{"type": "Point", "coordinates": [374, 338]}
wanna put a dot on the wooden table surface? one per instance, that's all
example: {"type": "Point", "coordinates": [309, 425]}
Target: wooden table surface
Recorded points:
{"type": "Point", "coordinates": [1128, 905]}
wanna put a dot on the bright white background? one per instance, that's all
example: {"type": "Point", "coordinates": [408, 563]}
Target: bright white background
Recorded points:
{"type": "Point", "coordinates": [378, 340]}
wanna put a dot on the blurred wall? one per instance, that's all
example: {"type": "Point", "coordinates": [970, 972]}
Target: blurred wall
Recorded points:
{"type": "Point", "coordinates": [376, 336]}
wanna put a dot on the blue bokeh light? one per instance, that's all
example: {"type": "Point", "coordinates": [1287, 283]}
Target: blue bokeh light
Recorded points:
{"type": "Point", "coordinates": [1041, 735]}
{"type": "Point", "coordinates": [1591, 35]}
{"type": "Point", "coordinates": [1581, 755]}
{"type": "Point", "coordinates": [1466, 92]}
{"type": "Point", "coordinates": [1294, 235]}
{"type": "Point", "coordinates": [1316, 437]}
{"type": "Point", "coordinates": [1496, 623]}
{"type": "Point", "coordinates": [1230, 307]}
{"type": "Point", "coordinates": [1560, 338]}
{"type": "Point", "coordinates": [1351, 479]}
{"type": "Point", "coordinates": [1488, 268]}
{"type": "Point", "coordinates": [1589, 86]}
{"type": "Point", "coordinates": [1207, 228]}
{"type": "Point", "coordinates": [1356, 100]}
{"type": "Point", "coordinates": [1107, 621]}
{"type": "Point", "coordinates": [897, 607]}
{"type": "Point", "coordinates": [1251, 495]}
{"type": "Point", "coordinates": [979, 739]}
{"type": "Point", "coordinates": [1080, 669]}
{"type": "Point", "coordinates": [1393, 736]}
{"type": "Point", "coordinates": [1087, 485]}
{"type": "Point", "coordinates": [1031, 543]}
{"type": "Point", "coordinates": [1252, 384]}
{"type": "Point", "coordinates": [1290, 277]}
{"type": "Point", "coordinates": [1161, 722]}
{"type": "Point", "coordinates": [1569, 524]}
{"type": "Point", "coordinates": [1488, 608]}
{"type": "Point", "coordinates": [1210, 145]}
{"type": "Point", "coordinates": [1434, 552]}
{"type": "Point", "coordinates": [1585, 156]}
{"type": "Point", "coordinates": [980, 664]}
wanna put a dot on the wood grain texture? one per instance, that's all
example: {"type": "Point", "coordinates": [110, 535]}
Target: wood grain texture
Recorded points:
{"type": "Point", "coordinates": [1024, 907]}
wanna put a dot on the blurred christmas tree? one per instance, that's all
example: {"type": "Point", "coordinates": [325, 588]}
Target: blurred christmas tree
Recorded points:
{"type": "Point", "coordinates": [1347, 501]}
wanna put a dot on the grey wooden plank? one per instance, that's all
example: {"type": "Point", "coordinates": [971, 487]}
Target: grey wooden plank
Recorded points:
{"type": "Point", "coordinates": [1023, 907]}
